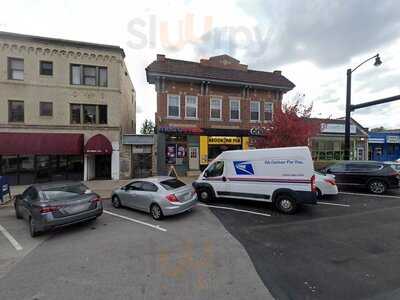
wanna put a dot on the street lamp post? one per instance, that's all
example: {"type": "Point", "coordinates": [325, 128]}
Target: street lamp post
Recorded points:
{"type": "Point", "coordinates": [377, 63]}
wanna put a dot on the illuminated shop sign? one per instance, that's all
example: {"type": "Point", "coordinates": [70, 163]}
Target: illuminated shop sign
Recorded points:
{"type": "Point", "coordinates": [224, 140]}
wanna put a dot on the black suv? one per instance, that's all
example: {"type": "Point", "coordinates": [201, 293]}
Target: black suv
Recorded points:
{"type": "Point", "coordinates": [377, 177]}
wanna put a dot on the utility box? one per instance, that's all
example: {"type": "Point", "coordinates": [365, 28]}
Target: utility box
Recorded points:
{"type": "Point", "coordinates": [5, 194]}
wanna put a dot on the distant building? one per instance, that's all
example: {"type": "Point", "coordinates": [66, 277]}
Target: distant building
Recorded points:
{"type": "Point", "coordinates": [329, 144]}
{"type": "Point", "coordinates": [63, 107]}
{"type": "Point", "coordinates": [206, 107]}
{"type": "Point", "coordinates": [384, 145]}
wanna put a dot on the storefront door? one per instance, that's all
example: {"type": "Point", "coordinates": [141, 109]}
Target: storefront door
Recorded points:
{"type": "Point", "coordinates": [193, 158]}
{"type": "Point", "coordinates": [103, 166]}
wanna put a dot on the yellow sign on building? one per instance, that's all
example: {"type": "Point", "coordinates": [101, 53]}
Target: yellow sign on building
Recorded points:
{"type": "Point", "coordinates": [224, 140]}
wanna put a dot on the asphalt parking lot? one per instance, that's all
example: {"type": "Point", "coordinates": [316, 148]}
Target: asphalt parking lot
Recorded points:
{"type": "Point", "coordinates": [344, 248]}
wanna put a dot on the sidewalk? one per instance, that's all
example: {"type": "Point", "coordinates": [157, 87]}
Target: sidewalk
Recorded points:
{"type": "Point", "coordinates": [101, 187]}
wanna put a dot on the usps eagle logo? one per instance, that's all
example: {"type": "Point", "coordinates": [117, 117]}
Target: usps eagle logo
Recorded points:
{"type": "Point", "coordinates": [243, 167]}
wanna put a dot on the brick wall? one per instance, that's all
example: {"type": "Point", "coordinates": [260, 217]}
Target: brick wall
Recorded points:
{"type": "Point", "coordinates": [225, 93]}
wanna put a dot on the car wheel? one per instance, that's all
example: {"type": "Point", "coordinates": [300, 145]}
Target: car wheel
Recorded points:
{"type": "Point", "coordinates": [18, 214]}
{"type": "Point", "coordinates": [32, 228]}
{"type": "Point", "coordinates": [377, 187]}
{"type": "Point", "coordinates": [286, 204]}
{"type": "Point", "coordinates": [318, 193]}
{"type": "Point", "coordinates": [205, 195]}
{"type": "Point", "coordinates": [156, 212]}
{"type": "Point", "coordinates": [116, 202]}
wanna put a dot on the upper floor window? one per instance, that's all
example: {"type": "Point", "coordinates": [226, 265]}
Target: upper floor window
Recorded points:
{"type": "Point", "coordinates": [234, 108]}
{"type": "Point", "coordinates": [46, 68]}
{"type": "Point", "coordinates": [191, 107]}
{"type": "Point", "coordinates": [255, 111]}
{"type": "Point", "coordinates": [88, 114]}
{"type": "Point", "coordinates": [89, 75]}
{"type": "Point", "coordinates": [174, 106]}
{"type": "Point", "coordinates": [215, 109]}
{"type": "Point", "coordinates": [46, 109]}
{"type": "Point", "coordinates": [15, 111]}
{"type": "Point", "coordinates": [268, 111]}
{"type": "Point", "coordinates": [15, 68]}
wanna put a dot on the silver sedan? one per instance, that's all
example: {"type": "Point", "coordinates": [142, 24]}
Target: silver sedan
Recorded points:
{"type": "Point", "coordinates": [159, 196]}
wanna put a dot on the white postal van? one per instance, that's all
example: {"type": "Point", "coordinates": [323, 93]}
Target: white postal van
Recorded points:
{"type": "Point", "coordinates": [283, 176]}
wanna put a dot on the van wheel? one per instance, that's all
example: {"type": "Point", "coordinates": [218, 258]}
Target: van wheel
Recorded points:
{"type": "Point", "coordinates": [286, 204]}
{"type": "Point", "coordinates": [205, 195]}
{"type": "Point", "coordinates": [377, 187]}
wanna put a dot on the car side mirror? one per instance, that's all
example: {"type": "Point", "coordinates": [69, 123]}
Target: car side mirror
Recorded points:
{"type": "Point", "coordinates": [206, 174]}
{"type": "Point", "coordinates": [18, 197]}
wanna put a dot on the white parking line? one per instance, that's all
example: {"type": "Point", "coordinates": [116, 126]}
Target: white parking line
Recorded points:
{"type": "Point", "coordinates": [136, 221]}
{"type": "Point", "coordinates": [10, 238]}
{"type": "Point", "coordinates": [235, 209]}
{"type": "Point", "coordinates": [370, 195]}
{"type": "Point", "coordinates": [335, 204]}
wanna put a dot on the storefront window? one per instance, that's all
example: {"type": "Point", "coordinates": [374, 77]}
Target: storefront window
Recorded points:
{"type": "Point", "coordinates": [75, 167]}
{"type": "Point", "coordinates": [10, 168]}
{"type": "Point", "coordinates": [27, 172]}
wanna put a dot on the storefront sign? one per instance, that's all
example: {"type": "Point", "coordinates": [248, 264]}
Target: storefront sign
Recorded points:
{"type": "Point", "coordinates": [224, 140]}
{"type": "Point", "coordinates": [336, 128]}
{"type": "Point", "coordinates": [171, 154]}
{"type": "Point", "coordinates": [258, 131]}
{"type": "Point", "coordinates": [393, 139]}
{"type": "Point", "coordinates": [170, 129]}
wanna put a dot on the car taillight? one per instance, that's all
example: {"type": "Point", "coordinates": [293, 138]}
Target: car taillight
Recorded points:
{"type": "Point", "coordinates": [330, 181]}
{"type": "Point", "coordinates": [48, 209]}
{"type": "Point", "coordinates": [172, 198]}
{"type": "Point", "coordinates": [313, 187]}
{"type": "Point", "coordinates": [96, 199]}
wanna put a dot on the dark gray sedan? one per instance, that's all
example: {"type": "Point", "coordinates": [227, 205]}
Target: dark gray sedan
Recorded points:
{"type": "Point", "coordinates": [47, 206]}
{"type": "Point", "coordinates": [160, 196]}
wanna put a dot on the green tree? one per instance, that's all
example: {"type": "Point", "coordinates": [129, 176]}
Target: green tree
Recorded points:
{"type": "Point", "coordinates": [147, 127]}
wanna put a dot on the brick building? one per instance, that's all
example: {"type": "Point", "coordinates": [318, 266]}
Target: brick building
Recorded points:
{"type": "Point", "coordinates": [206, 107]}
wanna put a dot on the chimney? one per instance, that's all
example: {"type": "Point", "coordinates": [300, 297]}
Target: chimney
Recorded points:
{"type": "Point", "coordinates": [161, 57]}
{"type": "Point", "coordinates": [277, 72]}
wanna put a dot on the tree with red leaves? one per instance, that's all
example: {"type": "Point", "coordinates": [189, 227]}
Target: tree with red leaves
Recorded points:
{"type": "Point", "coordinates": [291, 126]}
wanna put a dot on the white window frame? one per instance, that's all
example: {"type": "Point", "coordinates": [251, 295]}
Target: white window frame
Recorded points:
{"type": "Point", "coordinates": [179, 106]}
{"type": "Point", "coordinates": [220, 109]}
{"type": "Point", "coordinates": [230, 110]}
{"type": "Point", "coordinates": [197, 107]}
{"type": "Point", "coordinates": [265, 109]}
{"type": "Point", "coordinates": [258, 110]}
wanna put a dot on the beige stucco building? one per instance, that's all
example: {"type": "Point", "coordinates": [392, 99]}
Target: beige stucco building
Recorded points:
{"type": "Point", "coordinates": [70, 103]}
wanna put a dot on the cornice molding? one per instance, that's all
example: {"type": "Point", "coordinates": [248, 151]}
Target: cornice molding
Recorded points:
{"type": "Point", "coordinates": [22, 49]}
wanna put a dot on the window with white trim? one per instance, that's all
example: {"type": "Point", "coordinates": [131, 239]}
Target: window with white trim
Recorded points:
{"type": "Point", "coordinates": [174, 106]}
{"type": "Point", "coordinates": [191, 107]}
{"type": "Point", "coordinates": [254, 111]}
{"type": "Point", "coordinates": [215, 109]}
{"type": "Point", "coordinates": [268, 111]}
{"type": "Point", "coordinates": [234, 110]}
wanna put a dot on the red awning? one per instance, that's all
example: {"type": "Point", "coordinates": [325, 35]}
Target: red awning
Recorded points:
{"type": "Point", "coordinates": [98, 145]}
{"type": "Point", "coordinates": [41, 143]}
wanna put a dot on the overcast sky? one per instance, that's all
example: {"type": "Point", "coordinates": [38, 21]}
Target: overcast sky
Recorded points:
{"type": "Point", "coordinates": [312, 42]}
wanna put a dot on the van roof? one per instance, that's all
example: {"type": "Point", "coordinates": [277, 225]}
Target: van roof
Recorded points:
{"type": "Point", "coordinates": [262, 153]}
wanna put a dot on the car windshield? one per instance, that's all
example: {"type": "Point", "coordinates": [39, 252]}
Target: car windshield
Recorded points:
{"type": "Point", "coordinates": [172, 184]}
{"type": "Point", "coordinates": [65, 192]}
